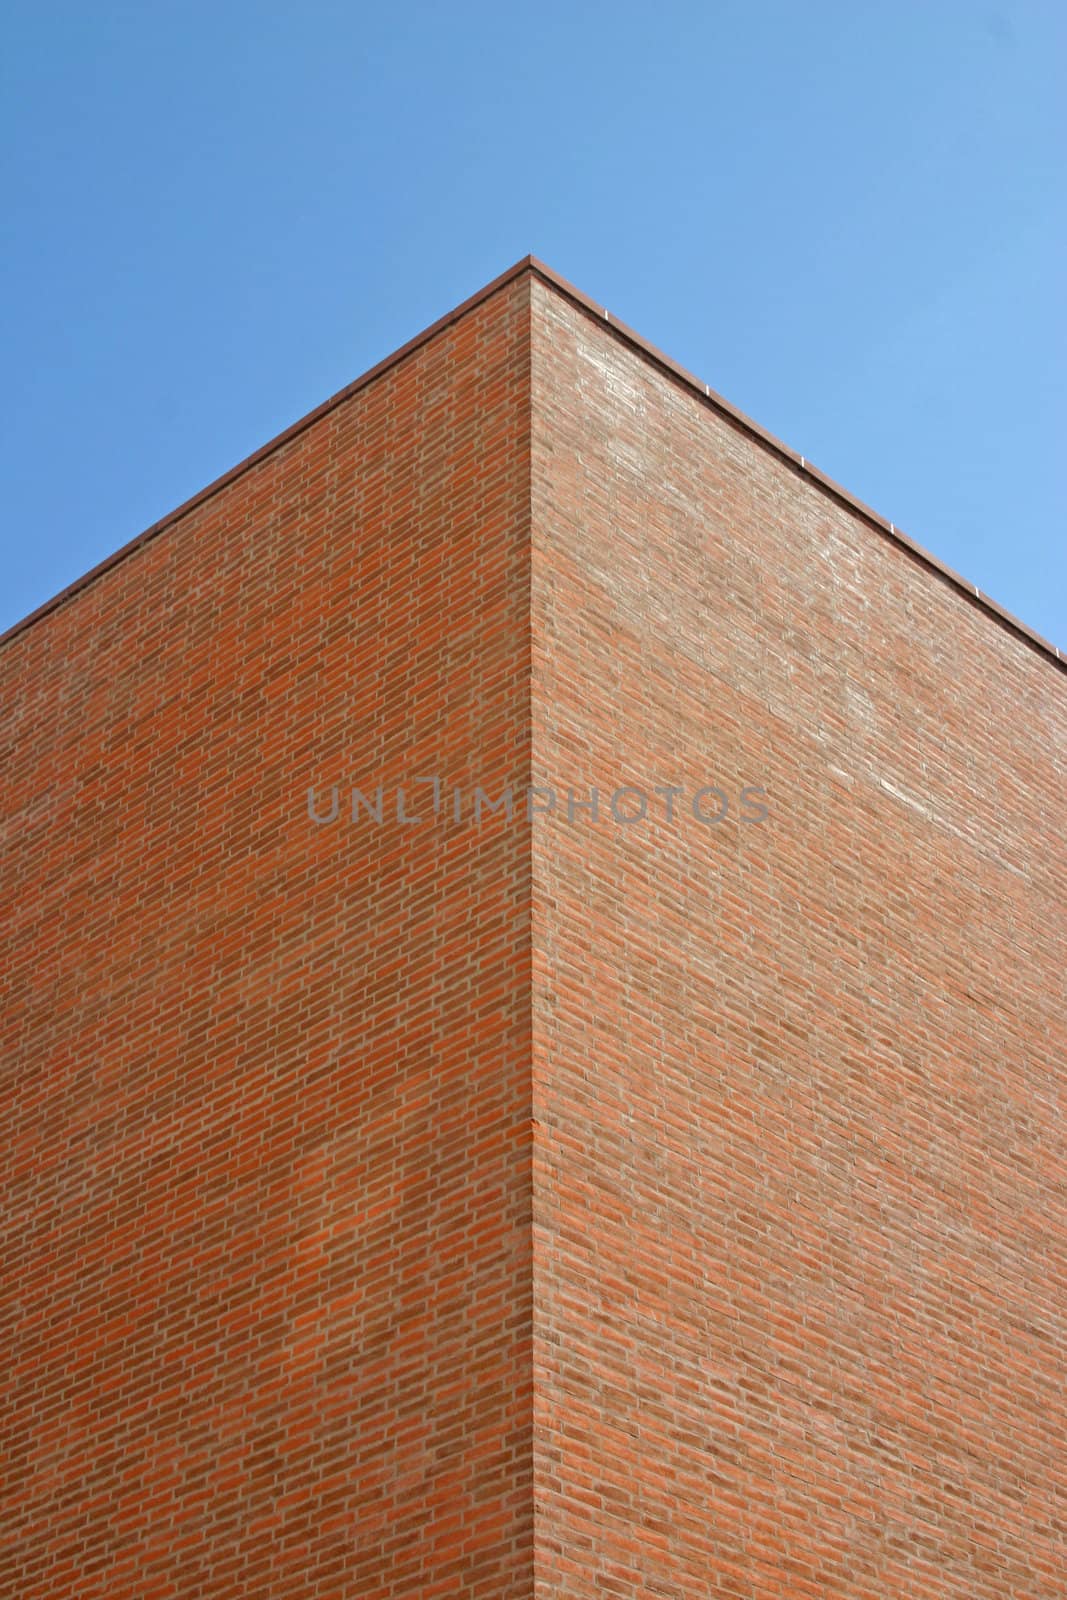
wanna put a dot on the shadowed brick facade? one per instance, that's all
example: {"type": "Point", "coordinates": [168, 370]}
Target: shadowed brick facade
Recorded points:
{"type": "Point", "coordinates": [536, 1207]}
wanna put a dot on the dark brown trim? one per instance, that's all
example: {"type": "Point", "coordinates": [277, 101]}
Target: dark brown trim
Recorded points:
{"type": "Point", "coordinates": [800, 463]}
{"type": "Point", "coordinates": [703, 391]}
{"type": "Point", "coordinates": [267, 449]}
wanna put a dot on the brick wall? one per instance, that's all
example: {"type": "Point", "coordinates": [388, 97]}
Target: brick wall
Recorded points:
{"type": "Point", "coordinates": [265, 1120]}
{"type": "Point", "coordinates": [799, 1175]}
{"type": "Point", "coordinates": [581, 1208]}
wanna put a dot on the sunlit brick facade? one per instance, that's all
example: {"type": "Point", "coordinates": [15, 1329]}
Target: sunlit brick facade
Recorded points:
{"type": "Point", "coordinates": [534, 1202]}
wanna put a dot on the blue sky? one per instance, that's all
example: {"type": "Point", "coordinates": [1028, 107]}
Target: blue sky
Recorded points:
{"type": "Point", "coordinates": [849, 218]}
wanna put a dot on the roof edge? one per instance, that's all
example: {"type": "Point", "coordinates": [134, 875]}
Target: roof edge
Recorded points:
{"type": "Point", "coordinates": [636, 341]}
{"type": "Point", "coordinates": [291, 432]}
{"type": "Point", "coordinates": [745, 424]}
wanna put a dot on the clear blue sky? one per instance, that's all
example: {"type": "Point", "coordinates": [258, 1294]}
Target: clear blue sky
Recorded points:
{"type": "Point", "coordinates": [850, 218]}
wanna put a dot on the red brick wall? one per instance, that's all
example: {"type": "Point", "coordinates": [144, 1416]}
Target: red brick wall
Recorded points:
{"type": "Point", "coordinates": [265, 1126]}
{"type": "Point", "coordinates": [799, 1185]}
{"type": "Point", "coordinates": [768, 1298]}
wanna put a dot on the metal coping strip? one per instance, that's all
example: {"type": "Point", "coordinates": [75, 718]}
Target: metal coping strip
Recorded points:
{"type": "Point", "coordinates": [702, 390]}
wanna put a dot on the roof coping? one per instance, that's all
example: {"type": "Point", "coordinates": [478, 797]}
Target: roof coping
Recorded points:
{"type": "Point", "coordinates": [665, 363]}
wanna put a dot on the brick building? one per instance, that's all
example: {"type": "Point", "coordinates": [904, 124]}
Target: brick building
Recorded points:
{"type": "Point", "coordinates": [402, 1197]}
